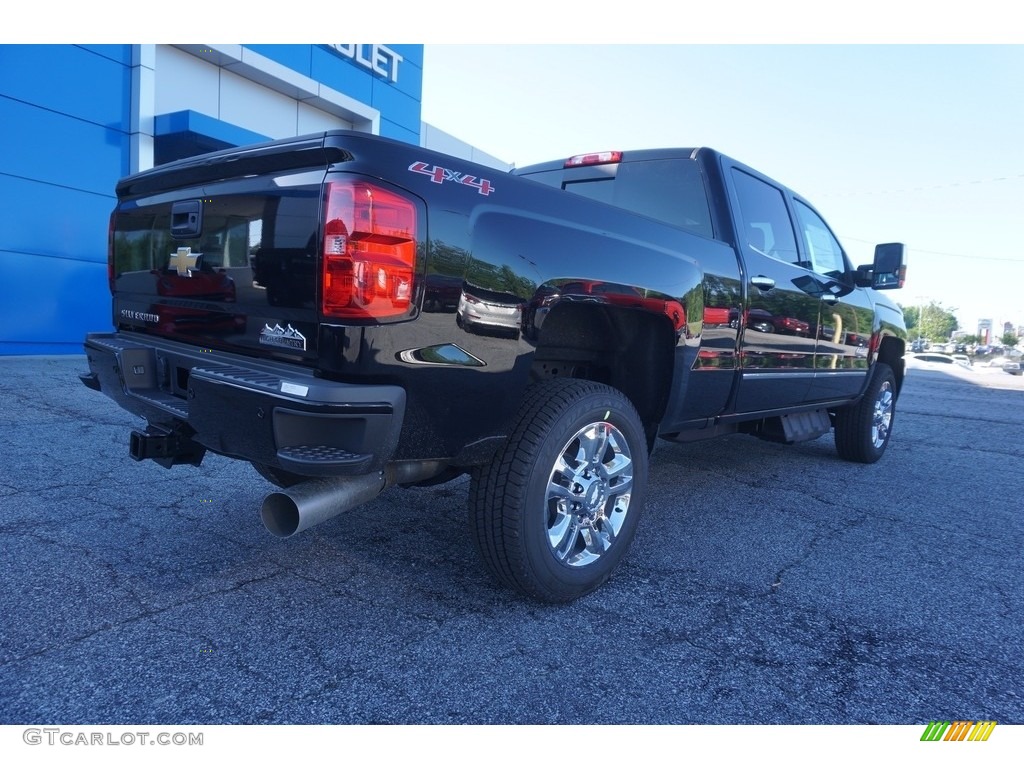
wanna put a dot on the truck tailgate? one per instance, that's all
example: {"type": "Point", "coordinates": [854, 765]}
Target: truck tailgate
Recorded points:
{"type": "Point", "coordinates": [227, 265]}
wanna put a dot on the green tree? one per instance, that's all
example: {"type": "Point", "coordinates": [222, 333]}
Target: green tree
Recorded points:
{"type": "Point", "coordinates": [1009, 339]}
{"type": "Point", "coordinates": [932, 321]}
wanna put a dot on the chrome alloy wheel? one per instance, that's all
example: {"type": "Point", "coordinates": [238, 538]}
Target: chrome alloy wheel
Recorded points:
{"type": "Point", "coordinates": [882, 418]}
{"type": "Point", "coordinates": [588, 494]}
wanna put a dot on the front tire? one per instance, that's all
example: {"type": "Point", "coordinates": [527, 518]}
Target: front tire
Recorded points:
{"type": "Point", "coordinates": [863, 430]}
{"type": "Point", "coordinates": [557, 508]}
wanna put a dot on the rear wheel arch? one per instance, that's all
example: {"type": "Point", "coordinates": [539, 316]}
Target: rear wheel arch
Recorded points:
{"type": "Point", "coordinates": [629, 349]}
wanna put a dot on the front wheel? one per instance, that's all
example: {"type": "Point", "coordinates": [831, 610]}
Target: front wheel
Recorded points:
{"type": "Point", "coordinates": [863, 430]}
{"type": "Point", "coordinates": [556, 510]}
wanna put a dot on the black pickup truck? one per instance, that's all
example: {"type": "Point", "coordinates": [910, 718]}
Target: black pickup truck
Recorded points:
{"type": "Point", "coordinates": [347, 312]}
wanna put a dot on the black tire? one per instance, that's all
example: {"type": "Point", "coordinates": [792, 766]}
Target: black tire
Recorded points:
{"type": "Point", "coordinates": [863, 430]}
{"type": "Point", "coordinates": [279, 477]}
{"type": "Point", "coordinates": [556, 510]}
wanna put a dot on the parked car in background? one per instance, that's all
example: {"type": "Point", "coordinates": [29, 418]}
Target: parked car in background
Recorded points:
{"type": "Point", "coordinates": [1014, 364]}
{"type": "Point", "coordinates": [964, 360]}
{"type": "Point", "coordinates": [934, 359]}
{"type": "Point", "coordinates": [488, 312]}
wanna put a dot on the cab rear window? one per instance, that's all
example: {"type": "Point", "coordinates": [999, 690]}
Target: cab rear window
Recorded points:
{"type": "Point", "coordinates": [671, 191]}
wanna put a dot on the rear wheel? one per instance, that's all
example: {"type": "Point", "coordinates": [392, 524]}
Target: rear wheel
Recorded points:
{"type": "Point", "coordinates": [556, 510]}
{"type": "Point", "coordinates": [862, 431]}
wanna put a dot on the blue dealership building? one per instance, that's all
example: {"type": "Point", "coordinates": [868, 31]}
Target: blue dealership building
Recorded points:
{"type": "Point", "coordinates": [76, 118]}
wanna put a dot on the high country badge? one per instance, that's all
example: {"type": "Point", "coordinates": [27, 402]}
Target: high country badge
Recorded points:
{"type": "Point", "coordinates": [282, 337]}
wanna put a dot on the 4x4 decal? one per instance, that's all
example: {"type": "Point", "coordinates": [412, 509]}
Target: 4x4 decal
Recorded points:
{"type": "Point", "coordinates": [440, 175]}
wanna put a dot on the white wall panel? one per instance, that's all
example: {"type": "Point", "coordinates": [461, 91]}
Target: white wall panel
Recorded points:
{"type": "Point", "coordinates": [313, 120]}
{"type": "Point", "coordinates": [441, 141]}
{"type": "Point", "coordinates": [143, 105]}
{"type": "Point", "coordinates": [184, 81]}
{"type": "Point", "coordinates": [256, 108]}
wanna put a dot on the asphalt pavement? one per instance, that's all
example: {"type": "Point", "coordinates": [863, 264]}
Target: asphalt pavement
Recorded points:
{"type": "Point", "coordinates": [767, 584]}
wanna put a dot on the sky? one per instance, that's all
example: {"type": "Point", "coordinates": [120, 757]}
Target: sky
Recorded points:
{"type": "Point", "coordinates": [921, 144]}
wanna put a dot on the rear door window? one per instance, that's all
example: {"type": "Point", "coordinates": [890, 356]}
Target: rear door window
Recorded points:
{"type": "Point", "coordinates": [765, 223]}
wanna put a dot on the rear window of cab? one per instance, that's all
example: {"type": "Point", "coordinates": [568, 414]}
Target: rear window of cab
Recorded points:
{"type": "Point", "coordinates": [671, 191]}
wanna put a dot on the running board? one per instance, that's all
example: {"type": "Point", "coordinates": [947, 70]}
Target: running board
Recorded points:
{"type": "Point", "coordinates": [796, 427]}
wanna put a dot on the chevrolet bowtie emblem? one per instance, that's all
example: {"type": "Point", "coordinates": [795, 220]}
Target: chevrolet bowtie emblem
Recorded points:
{"type": "Point", "coordinates": [184, 261]}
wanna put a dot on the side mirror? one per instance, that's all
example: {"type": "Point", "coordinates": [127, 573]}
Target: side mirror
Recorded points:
{"type": "Point", "coordinates": [863, 276]}
{"type": "Point", "coordinates": [888, 270]}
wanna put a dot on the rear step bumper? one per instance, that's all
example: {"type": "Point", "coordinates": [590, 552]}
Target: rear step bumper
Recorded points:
{"type": "Point", "coordinates": [263, 411]}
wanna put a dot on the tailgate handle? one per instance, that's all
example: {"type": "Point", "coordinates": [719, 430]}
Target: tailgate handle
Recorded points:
{"type": "Point", "coordinates": [186, 219]}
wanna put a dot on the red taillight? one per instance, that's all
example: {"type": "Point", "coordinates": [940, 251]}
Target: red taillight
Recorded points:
{"type": "Point", "coordinates": [594, 158]}
{"type": "Point", "coordinates": [369, 254]}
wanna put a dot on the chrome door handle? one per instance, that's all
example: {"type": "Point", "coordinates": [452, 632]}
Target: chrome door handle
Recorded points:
{"type": "Point", "coordinates": [762, 283]}
{"type": "Point", "coordinates": [830, 298]}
